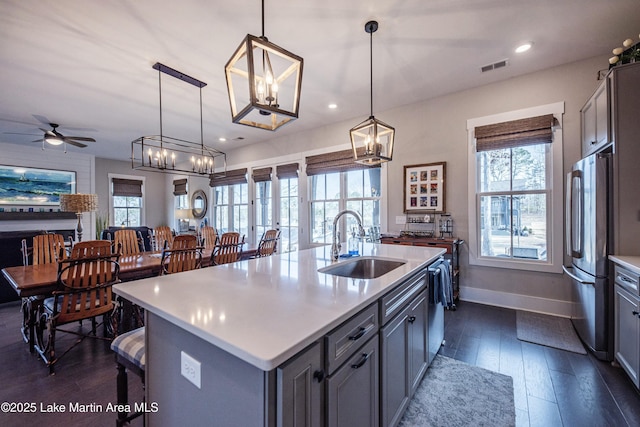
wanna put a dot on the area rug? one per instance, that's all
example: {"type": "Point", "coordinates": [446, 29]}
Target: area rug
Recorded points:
{"type": "Point", "coordinates": [454, 393]}
{"type": "Point", "coordinates": [551, 331]}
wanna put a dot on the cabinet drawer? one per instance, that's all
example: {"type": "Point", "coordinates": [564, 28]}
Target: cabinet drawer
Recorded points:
{"type": "Point", "coordinates": [446, 246]}
{"type": "Point", "coordinates": [627, 279]}
{"type": "Point", "coordinates": [393, 302]}
{"type": "Point", "coordinates": [344, 341]}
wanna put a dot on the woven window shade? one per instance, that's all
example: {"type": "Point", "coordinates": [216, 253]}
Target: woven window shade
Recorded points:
{"type": "Point", "coordinates": [515, 133]}
{"type": "Point", "coordinates": [180, 187]}
{"type": "Point", "coordinates": [262, 174]}
{"type": "Point", "coordinates": [338, 161]}
{"type": "Point", "coordinates": [236, 176]}
{"type": "Point", "coordinates": [127, 187]}
{"type": "Point", "coordinates": [287, 171]}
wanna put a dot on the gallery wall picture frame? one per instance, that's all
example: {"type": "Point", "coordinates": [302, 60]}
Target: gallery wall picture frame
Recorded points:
{"type": "Point", "coordinates": [424, 188]}
{"type": "Point", "coordinates": [34, 187]}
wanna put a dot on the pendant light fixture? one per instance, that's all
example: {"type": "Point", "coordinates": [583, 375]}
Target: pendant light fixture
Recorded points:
{"type": "Point", "coordinates": [372, 135]}
{"type": "Point", "coordinates": [162, 153]}
{"type": "Point", "coordinates": [263, 82]}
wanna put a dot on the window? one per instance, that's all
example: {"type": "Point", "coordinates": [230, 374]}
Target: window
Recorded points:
{"type": "Point", "coordinates": [126, 202]}
{"type": "Point", "coordinates": [515, 190]}
{"type": "Point", "coordinates": [357, 190]}
{"type": "Point", "coordinates": [231, 202]}
{"type": "Point", "coordinates": [263, 201]}
{"type": "Point", "coordinates": [288, 209]}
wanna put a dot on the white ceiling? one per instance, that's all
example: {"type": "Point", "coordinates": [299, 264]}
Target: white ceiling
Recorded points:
{"type": "Point", "coordinates": [86, 64]}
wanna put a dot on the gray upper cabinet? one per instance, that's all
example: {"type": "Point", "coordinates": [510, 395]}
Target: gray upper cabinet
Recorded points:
{"type": "Point", "coordinates": [595, 120]}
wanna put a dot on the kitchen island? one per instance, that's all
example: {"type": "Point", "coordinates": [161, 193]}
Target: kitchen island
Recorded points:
{"type": "Point", "coordinates": [234, 330]}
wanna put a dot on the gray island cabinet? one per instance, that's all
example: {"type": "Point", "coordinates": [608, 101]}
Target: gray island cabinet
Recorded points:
{"type": "Point", "coordinates": [274, 342]}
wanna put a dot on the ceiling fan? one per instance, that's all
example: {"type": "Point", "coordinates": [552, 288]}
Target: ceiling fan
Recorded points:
{"type": "Point", "coordinates": [54, 137]}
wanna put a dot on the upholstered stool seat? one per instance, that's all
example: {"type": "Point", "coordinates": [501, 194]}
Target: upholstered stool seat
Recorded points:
{"type": "Point", "coordinates": [130, 355]}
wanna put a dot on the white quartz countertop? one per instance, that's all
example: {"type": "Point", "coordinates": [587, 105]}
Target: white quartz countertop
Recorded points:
{"type": "Point", "coordinates": [266, 310]}
{"type": "Point", "coordinates": [630, 262]}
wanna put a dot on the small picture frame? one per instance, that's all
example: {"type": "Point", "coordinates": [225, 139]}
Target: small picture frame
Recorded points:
{"type": "Point", "coordinates": [424, 188]}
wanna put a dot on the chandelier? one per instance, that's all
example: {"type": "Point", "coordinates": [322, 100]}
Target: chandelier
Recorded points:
{"type": "Point", "coordinates": [374, 135]}
{"type": "Point", "coordinates": [263, 83]}
{"type": "Point", "coordinates": [162, 153]}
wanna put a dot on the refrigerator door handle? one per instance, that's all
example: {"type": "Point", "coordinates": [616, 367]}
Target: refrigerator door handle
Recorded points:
{"type": "Point", "coordinates": [576, 278]}
{"type": "Point", "coordinates": [575, 219]}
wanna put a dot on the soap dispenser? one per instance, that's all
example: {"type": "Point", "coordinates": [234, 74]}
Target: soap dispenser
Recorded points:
{"type": "Point", "coordinates": [352, 244]}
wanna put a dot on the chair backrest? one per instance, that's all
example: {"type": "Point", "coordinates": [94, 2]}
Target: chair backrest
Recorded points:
{"type": "Point", "coordinates": [208, 236]}
{"type": "Point", "coordinates": [85, 286]}
{"type": "Point", "coordinates": [161, 235]}
{"type": "Point", "coordinates": [46, 249]}
{"type": "Point", "coordinates": [128, 239]}
{"type": "Point", "coordinates": [227, 249]}
{"type": "Point", "coordinates": [268, 243]}
{"type": "Point", "coordinates": [184, 241]}
{"type": "Point", "coordinates": [179, 260]}
{"type": "Point", "coordinates": [91, 248]}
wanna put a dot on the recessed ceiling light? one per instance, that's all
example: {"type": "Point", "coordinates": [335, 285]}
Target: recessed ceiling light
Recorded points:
{"type": "Point", "coordinates": [222, 139]}
{"type": "Point", "coordinates": [524, 47]}
{"type": "Point", "coordinates": [333, 106]}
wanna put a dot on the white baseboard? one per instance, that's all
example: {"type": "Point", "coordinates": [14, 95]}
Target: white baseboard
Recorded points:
{"type": "Point", "coordinates": [517, 301]}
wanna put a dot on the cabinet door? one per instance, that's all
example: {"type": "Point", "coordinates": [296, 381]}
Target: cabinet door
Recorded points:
{"type": "Point", "coordinates": [300, 390]}
{"type": "Point", "coordinates": [595, 121]}
{"type": "Point", "coordinates": [418, 341]}
{"type": "Point", "coordinates": [627, 309]}
{"type": "Point", "coordinates": [394, 361]}
{"type": "Point", "coordinates": [352, 391]}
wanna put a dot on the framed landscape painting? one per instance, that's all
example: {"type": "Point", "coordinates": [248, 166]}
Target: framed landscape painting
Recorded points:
{"type": "Point", "coordinates": [34, 187]}
{"type": "Point", "coordinates": [424, 188]}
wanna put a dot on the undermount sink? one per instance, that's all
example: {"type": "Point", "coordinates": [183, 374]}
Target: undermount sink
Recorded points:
{"type": "Point", "coordinates": [363, 267]}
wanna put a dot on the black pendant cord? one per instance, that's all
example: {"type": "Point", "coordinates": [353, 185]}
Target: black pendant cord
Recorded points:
{"type": "Point", "coordinates": [160, 94]}
{"type": "Point", "coordinates": [371, 69]}
{"type": "Point", "coordinates": [201, 127]}
{"type": "Point", "coordinates": [262, 19]}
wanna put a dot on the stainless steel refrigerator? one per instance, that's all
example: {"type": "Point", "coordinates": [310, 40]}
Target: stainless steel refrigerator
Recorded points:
{"type": "Point", "coordinates": [588, 231]}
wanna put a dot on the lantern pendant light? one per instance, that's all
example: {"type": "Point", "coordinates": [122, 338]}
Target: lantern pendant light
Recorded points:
{"type": "Point", "coordinates": [372, 140]}
{"type": "Point", "coordinates": [263, 83]}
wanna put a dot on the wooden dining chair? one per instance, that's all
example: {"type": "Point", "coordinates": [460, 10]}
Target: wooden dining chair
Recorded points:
{"type": "Point", "coordinates": [128, 240]}
{"type": "Point", "coordinates": [227, 249]}
{"type": "Point", "coordinates": [184, 241]}
{"type": "Point", "coordinates": [84, 293]}
{"type": "Point", "coordinates": [268, 243]}
{"type": "Point", "coordinates": [92, 248]}
{"type": "Point", "coordinates": [208, 236]}
{"type": "Point", "coordinates": [179, 260]}
{"type": "Point", "coordinates": [161, 235]}
{"type": "Point", "coordinates": [46, 248]}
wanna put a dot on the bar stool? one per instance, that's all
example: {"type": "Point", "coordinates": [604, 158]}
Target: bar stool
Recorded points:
{"type": "Point", "coordinates": [130, 356]}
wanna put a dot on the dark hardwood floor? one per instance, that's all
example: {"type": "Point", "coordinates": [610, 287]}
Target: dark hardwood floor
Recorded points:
{"type": "Point", "coordinates": [552, 387]}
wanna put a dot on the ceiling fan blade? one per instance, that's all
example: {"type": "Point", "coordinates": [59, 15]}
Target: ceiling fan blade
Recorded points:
{"type": "Point", "coordinates": [48, 132]}
{"type": "Point", "coordinates": [77, 144]}
{"type": "Point", "coordinates": [19, 133]}
{"type": "Point", "coordinates": [37, 140]}
{"type": "Point", "coordinates": [79, 138]}
{"type": "Point", "coordinates": [41, 119]}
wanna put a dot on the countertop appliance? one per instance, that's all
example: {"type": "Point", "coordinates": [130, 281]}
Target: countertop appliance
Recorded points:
{"type": "Point", "coordinates": [588, 241]}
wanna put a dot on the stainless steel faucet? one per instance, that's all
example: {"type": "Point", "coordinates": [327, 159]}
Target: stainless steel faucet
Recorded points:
{"type": "Point", "coordinates": [335, 245]}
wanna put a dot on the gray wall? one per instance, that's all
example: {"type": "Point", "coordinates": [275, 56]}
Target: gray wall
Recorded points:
{"type": "Point", "coordinates": [435, 131]}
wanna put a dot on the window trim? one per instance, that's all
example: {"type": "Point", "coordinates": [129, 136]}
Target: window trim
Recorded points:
{"type": "Point", "coordinates": [555, 214]}
{"type": "Point", "coordinates": [111, 176]}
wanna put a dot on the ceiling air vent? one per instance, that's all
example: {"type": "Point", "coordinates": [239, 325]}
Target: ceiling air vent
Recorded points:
{"type": "Point", "coordinates": [494, 66]}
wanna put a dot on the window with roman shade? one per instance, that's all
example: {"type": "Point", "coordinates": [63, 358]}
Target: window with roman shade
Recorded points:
{"type": "Point", "coordinates": [287, 171]}
{"type": "Point", "coordinates": [336, 183]}
{"type": "Point", "coordinates": [337, 161]}
{"type": "Point", "coordinates": [127, 187]}
{"type": "Point", "coordinates": [231, 201]}
{"type": "Point", "coordinates": [236, 176]}
{"type": "Point", "coordinates": [261, 174]}
{"type": "Point", "coordinates": [180, 187]}
{"type": "Point", "coordinates": [515, 190]}
{"type": "Point", "coordinates": [127, 202]}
